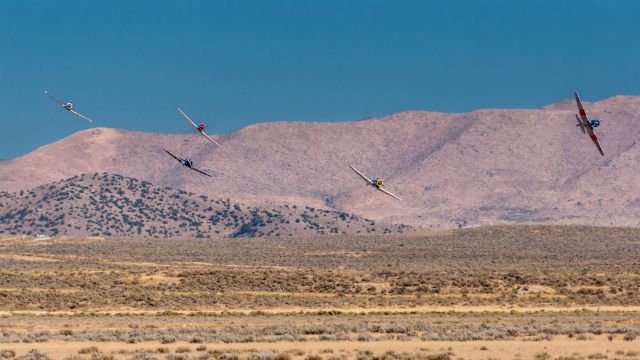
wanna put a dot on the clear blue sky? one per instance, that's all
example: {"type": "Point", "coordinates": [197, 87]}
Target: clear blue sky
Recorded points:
{"type": "Point", "coordinates": [128, 64]}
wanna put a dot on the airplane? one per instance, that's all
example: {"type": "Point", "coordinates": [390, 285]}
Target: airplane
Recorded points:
{"type": "Point", "coordinates": [200, 128]}
{"type": "Point", "coordinates": [186, 162]}
{"type": "Point", "coordinates": [587, 126]}
{"type": "Point", "coordinates": [375, 182]}
{"type": "Point", "coordinates": [67, 106]}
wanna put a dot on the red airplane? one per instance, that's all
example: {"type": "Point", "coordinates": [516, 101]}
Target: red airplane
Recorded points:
{"type": "Point", "coordinates": [200, 128]}
{"type": "Point", "coordinates": [586, 125]}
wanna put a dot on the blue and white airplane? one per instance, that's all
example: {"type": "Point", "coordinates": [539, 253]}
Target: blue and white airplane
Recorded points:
{"type": "Point", "coordinates": [375, 182]}
{"type": "Point", "coordinates": [186, 162]}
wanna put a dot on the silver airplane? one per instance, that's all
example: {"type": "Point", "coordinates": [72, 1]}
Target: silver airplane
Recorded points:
{"type": "Point", "coordinates": [67, 106]}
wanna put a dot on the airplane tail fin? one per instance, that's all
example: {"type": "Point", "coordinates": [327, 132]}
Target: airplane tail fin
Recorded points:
{"type": "Point", "coordinates": [580, 125]}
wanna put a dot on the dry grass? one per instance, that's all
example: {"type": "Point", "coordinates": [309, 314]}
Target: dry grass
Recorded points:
{"type": "Point", "coordinates": [521, 287]}
{"type": "Point", "coordinates": [556, 266]}
{"type": "Point", "coordinates": [557, 349]}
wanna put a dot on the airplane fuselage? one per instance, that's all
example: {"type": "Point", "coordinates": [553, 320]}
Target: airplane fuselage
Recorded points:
{"type": "Point", "coordinates": [376, 182]}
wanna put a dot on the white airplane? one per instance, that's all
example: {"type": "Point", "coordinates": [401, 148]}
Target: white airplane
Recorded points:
{"type": "Point", "coordinates": [200, 128]}
{"type": "Point", "coordinates": [587, 125]}
{"type": "Point", "coordinates": [67, 106]}
{"type": "Point", "coordinates": [375, 182]}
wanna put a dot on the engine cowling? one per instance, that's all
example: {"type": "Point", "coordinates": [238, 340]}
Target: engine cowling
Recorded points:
{"type": "Point", "coordinates": [595, 123]}
{"type": "Point", "coordinates": [68, 106]}
{"type": "Point", "coordinates": [201, 127]}
{"type": "Point", "coordinates": [379, 182]}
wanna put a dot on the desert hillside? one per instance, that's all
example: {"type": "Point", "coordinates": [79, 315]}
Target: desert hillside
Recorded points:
{"type": "Point", "coordinates": [112, 205]}
{"type": "Point", "coordinates": [483, 167]}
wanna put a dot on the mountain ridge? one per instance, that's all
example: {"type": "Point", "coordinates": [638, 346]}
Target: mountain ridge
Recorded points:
{"type": "Point", "coordinates": [487, 166]}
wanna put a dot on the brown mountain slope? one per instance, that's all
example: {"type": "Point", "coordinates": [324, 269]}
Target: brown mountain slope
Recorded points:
{"type": "Point", "coordinates": [483, 167]}
{"type": "Point", "coordinates": [103, 204]}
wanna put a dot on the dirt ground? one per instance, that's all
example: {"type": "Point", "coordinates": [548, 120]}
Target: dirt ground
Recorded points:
{"type": "Point", "coordinates": [516, 292]}
{"type": "Point", "coordinates": [597, 348]}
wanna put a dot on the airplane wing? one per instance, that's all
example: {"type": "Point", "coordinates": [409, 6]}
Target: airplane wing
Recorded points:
{"type": "Point", "coordinates": [361, 175]}
{"type": "Point", "coordinates": [581, 111]}
{"type": "Point", "coordinates": [388, 193]}
{"type": "Point", "coordinates": [187, 118]}
{"type": "Point", "coordinates": [173, 156]}
{"type": "Point", "coordinates": [594, 138]}
{"type": "Point", "coordinates": [580, 124]}
{"type": "Point", "coordinates": [82, 116]}
{"type": "Point", "coordinates": [54, 99]}
{"type": "Point", "coordinates": [209, 137]}
{"type": "Point", "coordinates": [200, 171]}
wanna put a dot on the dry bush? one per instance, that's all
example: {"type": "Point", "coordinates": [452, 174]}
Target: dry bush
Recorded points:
{"type": "Point", "coordinates": [264, 355]}
{"type": "Point", "coordinates": [441, 356]}
{"type": "Point", "coordinates": [102, 356]}
{"type": "Point", "coordinates": [74, 357]}
{"type": "Point", "coordinates": [7, 354]}
{"type": "Point", "coordinates": [34, 354]}
{"type": "Point", "coordinates": [542, 356]}
{"type": "Point", "coordinates": [167, 340]}
{"type": "Point", "coordinates": [597, 356]}
{"type": "Point", "coordinates": [89, 350]}
{"type": "Point", "coordinates": [142, 355]}
{"type": "Point", "coordinates": [283, 356]}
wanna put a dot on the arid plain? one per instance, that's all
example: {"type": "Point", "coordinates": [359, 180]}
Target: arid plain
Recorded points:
{"type": "Point", "coordinates": [504, 292]}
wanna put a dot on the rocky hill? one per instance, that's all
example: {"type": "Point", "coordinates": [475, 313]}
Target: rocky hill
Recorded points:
{"type": "Point", "coordinates": [113, 205]}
